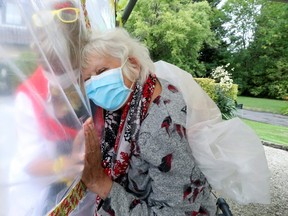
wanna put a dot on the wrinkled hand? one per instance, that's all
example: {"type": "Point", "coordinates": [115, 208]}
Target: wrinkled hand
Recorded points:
{"type": "Point", "coordinates": [93, 174]}
{"type": "Point", "coordinates": [73, 163]}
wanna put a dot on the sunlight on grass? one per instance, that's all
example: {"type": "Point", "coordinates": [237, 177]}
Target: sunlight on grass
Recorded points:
{"type": "Point", "coordinates": [271, 133]}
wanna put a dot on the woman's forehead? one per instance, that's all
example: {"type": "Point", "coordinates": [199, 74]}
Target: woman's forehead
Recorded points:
{"type": "Point", "coordinates": [97, 59]}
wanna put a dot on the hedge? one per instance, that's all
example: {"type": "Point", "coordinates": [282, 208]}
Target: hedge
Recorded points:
{"type": "Point", "coordinates": [209, 86]}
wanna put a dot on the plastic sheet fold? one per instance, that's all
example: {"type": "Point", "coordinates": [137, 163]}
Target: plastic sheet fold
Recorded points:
{"type": "Point", "coordinates": [228, 152]}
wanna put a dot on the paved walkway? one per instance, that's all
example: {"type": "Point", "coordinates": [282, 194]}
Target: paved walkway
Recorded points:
{"type": "Point", "coordinates": [265, 117]}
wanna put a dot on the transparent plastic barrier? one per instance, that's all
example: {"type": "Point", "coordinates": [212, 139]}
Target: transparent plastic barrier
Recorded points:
{"type": "Point", "coordinates": [42, 105]}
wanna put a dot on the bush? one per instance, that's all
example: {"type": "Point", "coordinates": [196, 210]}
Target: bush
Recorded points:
{"type": "Point", "coordinates": [221, 90]}
{"type": "Point", "coordinates": [208, 85]}
{"type": "Point", "coordinates": [278, 89]}
{"type": "Point", "coordinates": [225, 103]}
{"type": "Point", "coordinates": [233, 92]}
{"type": "Point", "coordinates": [225, 99]}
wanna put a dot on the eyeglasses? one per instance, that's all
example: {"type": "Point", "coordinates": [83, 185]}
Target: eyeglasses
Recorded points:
{"type": "Point", "coordinates": [65, 15]}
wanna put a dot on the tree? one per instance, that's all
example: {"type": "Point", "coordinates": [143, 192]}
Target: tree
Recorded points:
{"type": "Point", "coordinates": [241, 25]}
{"type": "Point", "coordinates": [174, 31]}
{"type": "Point", "coordinates": [260, 62]}
{"type": "Point", "coordinates": [213, 55]}
{"type": "Point", "coordinates": [269, 72]}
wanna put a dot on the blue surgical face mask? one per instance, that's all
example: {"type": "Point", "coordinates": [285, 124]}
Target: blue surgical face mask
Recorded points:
{"type": "Point", "coordinates": [108, 90]}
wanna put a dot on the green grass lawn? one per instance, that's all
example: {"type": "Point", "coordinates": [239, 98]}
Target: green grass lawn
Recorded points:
{"type": "Point", "coordinates": [271, 133]}
{"type": "Point", "coordinates": [262, 104]}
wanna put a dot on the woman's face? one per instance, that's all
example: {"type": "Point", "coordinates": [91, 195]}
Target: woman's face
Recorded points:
{"type": "Point", "coordinates": [100, 64]}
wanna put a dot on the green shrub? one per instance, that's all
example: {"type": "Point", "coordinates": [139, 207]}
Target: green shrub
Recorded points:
{"type": "Point", "coordinates": [257, 91]}
{"type": "Point", "coordinates": [233, 92]}
{"type": "Point", "coordinates": [208, 85]}
{"type": "Point", "coordinates": [225, 99]}
{"type": "Point", "coordinates": [225, 103]}
{"type": "Point", "coordinates": [278, 89]}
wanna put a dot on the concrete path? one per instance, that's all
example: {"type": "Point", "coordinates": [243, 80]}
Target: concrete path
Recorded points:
{"type": "Point", "coordinates": [265, 117]}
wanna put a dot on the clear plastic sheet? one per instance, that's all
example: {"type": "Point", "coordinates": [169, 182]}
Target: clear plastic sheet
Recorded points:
{"type": "Point", "coordinates": [228, 152]}
{"type": "Point", "coordinates": [42, 105]}
{"type": "Point", "coordinates": [101, 14]}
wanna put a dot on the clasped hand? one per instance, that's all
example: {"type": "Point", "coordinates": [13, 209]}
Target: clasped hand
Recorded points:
{"type": "Point", "coordinates": [93, 175]}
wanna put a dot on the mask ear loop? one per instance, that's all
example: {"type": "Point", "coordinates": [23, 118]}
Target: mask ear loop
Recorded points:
{"type": "Point", "coordinates": [132, 86]}
{"type": "Point", "coordinates": [133, 83]}
{"type": "Point", "coordinates": [124, 63]}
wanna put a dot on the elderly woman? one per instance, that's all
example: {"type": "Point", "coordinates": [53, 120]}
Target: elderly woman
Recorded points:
{"type": "Point", "coordinates": [139, 162]}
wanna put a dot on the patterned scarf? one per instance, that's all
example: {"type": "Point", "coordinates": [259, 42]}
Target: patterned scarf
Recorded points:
{"type": "Point", "coordinates": [122, 130]}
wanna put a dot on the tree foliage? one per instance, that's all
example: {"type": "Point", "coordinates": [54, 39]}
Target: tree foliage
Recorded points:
{"type": "Point", "coordinates": [240, 28]}
{"type": "Point", "coordinates": [269, 71]}
{"type": "Point", "coordinates": [241, 25]}
{"type": "Point", "coordinates": [174, 31]}
{"type": "Point", "coordinates": [261, 68]}
{"type": "Point", "coordinates": [212, 55]}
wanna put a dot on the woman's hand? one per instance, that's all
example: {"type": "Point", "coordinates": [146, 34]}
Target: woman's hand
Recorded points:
{"type": "Point", "coordinates": [93, 174]}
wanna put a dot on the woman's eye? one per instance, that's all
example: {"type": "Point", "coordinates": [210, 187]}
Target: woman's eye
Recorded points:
{"type": "Point", "coordinates": [101, 71]}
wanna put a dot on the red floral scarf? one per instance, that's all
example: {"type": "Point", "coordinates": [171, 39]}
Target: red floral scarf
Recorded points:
{"type": "Point", "coordinates": [121, 132]}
